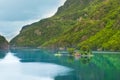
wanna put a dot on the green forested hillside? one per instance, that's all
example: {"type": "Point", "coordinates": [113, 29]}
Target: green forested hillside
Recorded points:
{"type": "Point", "coordinates": [95, 23]}
{"type": "Point", "coordinates": [3, 43]}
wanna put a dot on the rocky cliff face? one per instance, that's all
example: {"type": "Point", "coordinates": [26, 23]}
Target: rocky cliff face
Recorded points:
{"type": "Point", "coordinates": [3, 43]}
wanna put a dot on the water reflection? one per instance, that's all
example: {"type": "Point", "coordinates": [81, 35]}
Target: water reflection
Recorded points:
{"type": "Point", "coordinates": [35, 64]}
{"type": "Point", "coordinates": [83, 60]}
{"type": "Point", "coordinates": [32, 55]}
{"type": "Point", "coordinates": [13, 69]}
{"type": "Point", "coordinates": [36, 55]}
{"type": "Point", "coordinates": [9, 58]}
{"type": "Point", "coordinates": [2, 54]}
{"type": "Point", "coordinates": [31, 71]}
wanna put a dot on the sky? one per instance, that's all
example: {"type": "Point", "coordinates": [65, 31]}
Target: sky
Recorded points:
{"type": "Point", "coordinates": [14, 14]}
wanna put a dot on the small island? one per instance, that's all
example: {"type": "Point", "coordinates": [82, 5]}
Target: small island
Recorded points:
{"type": "Point", "coordinates": [82, 52]}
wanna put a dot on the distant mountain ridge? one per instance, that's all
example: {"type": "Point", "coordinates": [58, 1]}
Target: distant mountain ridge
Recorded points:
{"type": "Point", "coordinates": [93, 23]}
{"type": "Point", "coordinates": [3, 43]}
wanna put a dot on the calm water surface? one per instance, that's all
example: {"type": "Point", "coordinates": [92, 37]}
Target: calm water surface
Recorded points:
{"type": "Point", "coordinates": [34, 64]}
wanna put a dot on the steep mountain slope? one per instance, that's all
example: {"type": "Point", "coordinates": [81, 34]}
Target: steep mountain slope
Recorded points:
{"type": "Point", "coordinates": [3, 43]}
{"type": "Point", "coordinates": [36, 34]}
{"type": "Point", "coordinates": [99, 29]}
{"type": "Point", "coordinates": [93, 23]}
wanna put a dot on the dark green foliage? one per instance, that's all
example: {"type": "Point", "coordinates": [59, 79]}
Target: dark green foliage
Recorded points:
{"type": "Point", "coordinates": [85, 50]}
{"type": "Point", "coordinates": [95, 23]}
{"type": "Point", "coordinates": [71, 50]}
{"type": "Point", "coordinates": [2, 39]}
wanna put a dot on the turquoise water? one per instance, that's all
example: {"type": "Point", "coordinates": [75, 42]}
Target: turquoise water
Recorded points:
{"type": "Point", "coordinates": [35, 64]}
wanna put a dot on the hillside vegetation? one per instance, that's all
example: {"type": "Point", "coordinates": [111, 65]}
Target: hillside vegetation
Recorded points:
{"type": "Point", "coordinates": [93, 23]}
{"type": "Point", "coordinates": [3, 43]}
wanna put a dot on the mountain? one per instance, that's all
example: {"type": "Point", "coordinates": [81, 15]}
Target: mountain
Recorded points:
{"type": "Point", "coordinates": [3, 43]}
{"type": "Point", "coordinates": [93, 23]}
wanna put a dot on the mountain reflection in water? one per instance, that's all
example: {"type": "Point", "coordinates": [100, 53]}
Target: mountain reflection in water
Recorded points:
{"type": "Point", "coordinates": [35, 64]}
{"type": "Point", "coordinates": [13, 69]}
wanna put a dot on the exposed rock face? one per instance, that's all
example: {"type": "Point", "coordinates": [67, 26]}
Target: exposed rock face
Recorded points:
{"type": "Point", "coordinates": [3, 43]}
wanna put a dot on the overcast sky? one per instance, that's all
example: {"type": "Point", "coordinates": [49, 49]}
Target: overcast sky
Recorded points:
{"type": "Point", "coordinates": [14, 14]}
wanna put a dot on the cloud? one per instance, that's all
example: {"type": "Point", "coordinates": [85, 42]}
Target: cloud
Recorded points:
{"type": "Point", "coordinates": [14, 14]}
{"type": "Point", "coordinates": [19, 10]}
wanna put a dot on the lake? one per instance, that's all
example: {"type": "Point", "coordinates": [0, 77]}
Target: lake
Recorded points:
{"type": "Point", "coordinates": [35, 64]}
